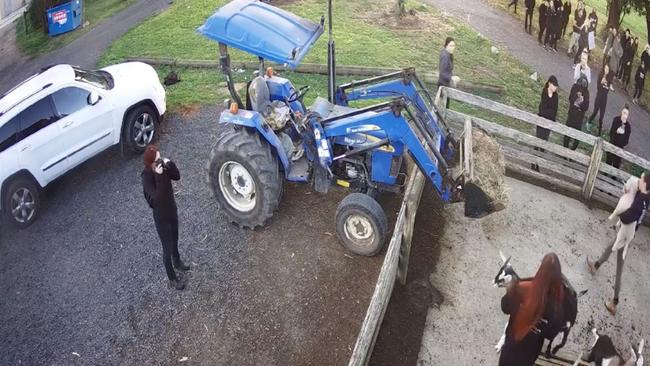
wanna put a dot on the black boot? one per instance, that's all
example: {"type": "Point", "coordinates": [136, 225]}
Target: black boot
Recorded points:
{"type": "Point", "coordinates": [179, 265]}
{"type": "Point", "coordinates": [177, 284]}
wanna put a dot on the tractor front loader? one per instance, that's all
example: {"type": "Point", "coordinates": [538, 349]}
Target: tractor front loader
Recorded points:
{"type": "Point", "coordinates": [274, 137]}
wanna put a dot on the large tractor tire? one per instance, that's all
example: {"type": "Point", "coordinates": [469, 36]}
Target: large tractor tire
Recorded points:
{"type": "Point", "coordinates": [361, 224]}
{"type": "Point", "coordinates": [244, 176]}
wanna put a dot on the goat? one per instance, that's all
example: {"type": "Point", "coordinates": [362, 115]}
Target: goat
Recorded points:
{"type": "Point", "coordinates": [603, 353]}
{"type": "Point", "coordinates": [507, 275]}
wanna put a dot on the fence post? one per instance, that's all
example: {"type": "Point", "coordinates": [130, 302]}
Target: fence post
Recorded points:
{"type": "Point", "coordinates": [468, 165]}
{"type": "Point", "coordinates": [412, 200]}
{"type": "Point", "coordinates": [592, 170]}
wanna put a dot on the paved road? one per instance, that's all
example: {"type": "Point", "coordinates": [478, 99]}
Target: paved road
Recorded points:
{"type": "Point", "coordinates": [507, 32]}
{"type": "Point", "coordinates": [84, 51]}
{"type": "Point", "coordinates": [88, 277]}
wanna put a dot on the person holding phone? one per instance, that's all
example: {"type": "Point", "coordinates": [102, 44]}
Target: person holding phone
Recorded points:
{"type": "Point", "coordinates": [157, 177]}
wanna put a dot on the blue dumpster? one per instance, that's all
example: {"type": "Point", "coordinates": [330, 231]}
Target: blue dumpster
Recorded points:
{"type": "Point", "coordinates": [64, 18]}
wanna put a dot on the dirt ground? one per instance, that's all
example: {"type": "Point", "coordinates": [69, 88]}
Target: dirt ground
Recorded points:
{"type": "Point", "coordinates": [465, 327]}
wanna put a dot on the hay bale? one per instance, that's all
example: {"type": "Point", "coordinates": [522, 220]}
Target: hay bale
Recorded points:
{"type": "Point", "coordinates": [489, 168]}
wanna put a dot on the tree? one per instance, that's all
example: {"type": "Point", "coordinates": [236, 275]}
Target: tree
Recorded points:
{"type": "Point", "coordinates": [617, 9]}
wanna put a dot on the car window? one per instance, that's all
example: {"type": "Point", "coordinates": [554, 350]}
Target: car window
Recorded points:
{"type": "Point", "coordinates": [8, 134]}
{"type": "Point", "coordinates": [70, 100]}
{"type": "Point", "coordinates": [36, 117]}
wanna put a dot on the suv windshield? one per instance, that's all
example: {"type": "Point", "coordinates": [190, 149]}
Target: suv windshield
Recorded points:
{"type": "Point", "coordinates": [99, 78]}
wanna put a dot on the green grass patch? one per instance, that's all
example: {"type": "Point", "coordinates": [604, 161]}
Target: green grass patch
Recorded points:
{"type": "Point", "coordinates": [34, 40]}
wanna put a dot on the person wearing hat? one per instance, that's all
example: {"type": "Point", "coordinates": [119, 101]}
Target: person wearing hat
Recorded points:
{"type": "Point", "coordinates": [578, 106]}
{"type": "Point", "coordinates": [157, 177]}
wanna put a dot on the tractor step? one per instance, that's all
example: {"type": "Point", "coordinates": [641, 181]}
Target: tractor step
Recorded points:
{"type": "Point", "coordinates": [299, 170]}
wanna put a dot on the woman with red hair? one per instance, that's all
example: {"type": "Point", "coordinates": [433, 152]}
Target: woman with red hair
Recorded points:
{"type": "Point", "coordinates": [532, 304]}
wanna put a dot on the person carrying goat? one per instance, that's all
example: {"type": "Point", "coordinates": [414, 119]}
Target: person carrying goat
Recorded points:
{"type": "Point", "coordinates": [630, 211]}
{"type": "Point", "coordinates": [533, 305]}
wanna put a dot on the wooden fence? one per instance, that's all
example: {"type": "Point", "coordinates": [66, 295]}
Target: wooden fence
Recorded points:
{"type": "Point", "coordinates": [585, 176]}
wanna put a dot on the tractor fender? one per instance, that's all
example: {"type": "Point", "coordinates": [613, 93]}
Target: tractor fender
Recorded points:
{"type": "Point", "coordinates": [254, 120]}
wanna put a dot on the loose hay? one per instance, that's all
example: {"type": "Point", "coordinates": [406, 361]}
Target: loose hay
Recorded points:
{"type": "Point", "coordinates": [489, 168]}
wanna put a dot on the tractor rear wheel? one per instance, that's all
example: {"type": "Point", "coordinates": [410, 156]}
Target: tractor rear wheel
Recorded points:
{"type": "Point", "coordinates": [361, 224]}
{"type": "Point", "coordinates": [244, 176]}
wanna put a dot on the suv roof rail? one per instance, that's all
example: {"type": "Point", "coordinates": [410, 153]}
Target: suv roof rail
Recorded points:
{"type": "Point", "coordinates": [42, 70]}
{"type": "Point", "coordinates": [24, 99]}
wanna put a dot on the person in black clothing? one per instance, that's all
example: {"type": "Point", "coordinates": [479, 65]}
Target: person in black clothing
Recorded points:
{"type": "Point", "coordinates": [625, 37]}
{"type": "Point", "coordinates": [543, 19]}
{"type": "Point", "coordinates": [157, 186]}
{"type": "Point", "coordinates": [578, 106]}
{"type": "Point", "coordinates": [591, 30]}
{"type": "Point", "coordinates": [565, 16]}
{"type": "Point", "coordinates": [583, 43]}
{"type": "Point", "coordinates": [547, 109]}
{"type": "Point", "coordinates": [604, 84]}
{"type": "Point", "coordinates": [645, 56]}
{"type": "Point", "coordinates": [639, 82]}
{"type": "Point", "coordinates": [528, 20]}
{"type": "Point", "coordinates": [551, 16]}
{"type": "Point", "coordinates": [628, 57]}
{"type": "Point", "coordinates": [578, 25]}
{"type": "Point", "coordinates": [513, 2]}
{"type": "Point", "coordinates": [619, 135]}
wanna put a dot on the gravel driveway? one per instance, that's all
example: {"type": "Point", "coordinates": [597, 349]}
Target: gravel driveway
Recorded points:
{"type": "Point", "coordinates": [86, 284]}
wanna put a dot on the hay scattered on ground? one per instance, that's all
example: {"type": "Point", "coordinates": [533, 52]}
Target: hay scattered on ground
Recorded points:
{"type": "Point", "coordinates": [386, 14]}
{"type": "Point", "coordinates": [489, 167]}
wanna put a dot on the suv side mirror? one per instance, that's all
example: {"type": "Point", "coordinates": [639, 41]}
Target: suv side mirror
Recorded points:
{"type": "Point", "coordinates": [93, 98]}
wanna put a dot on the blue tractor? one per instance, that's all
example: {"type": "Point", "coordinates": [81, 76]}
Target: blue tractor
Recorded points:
{"type": "Point", "coordinates": [270, 135]}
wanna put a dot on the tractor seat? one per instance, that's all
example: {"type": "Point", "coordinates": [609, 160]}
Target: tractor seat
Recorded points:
{"type": "Point", "coordinates": [275, 113]}
{"type": "Point", "coordinates": [328, 110]}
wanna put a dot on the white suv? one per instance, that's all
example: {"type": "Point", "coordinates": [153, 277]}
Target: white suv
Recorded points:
{"type": "Point", "coordinates": [63, 116]}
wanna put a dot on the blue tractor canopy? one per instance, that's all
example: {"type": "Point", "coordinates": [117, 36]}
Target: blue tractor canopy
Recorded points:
{"type": "Point", "coordinates": [263, 30]}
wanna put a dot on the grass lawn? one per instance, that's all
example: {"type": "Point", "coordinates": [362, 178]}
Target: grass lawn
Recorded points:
{"type": "Point", "coordinates": [36, 41]}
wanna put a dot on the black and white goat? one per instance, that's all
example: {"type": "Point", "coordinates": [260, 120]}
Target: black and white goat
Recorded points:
{"type": "Point", "coordinates": [603, 353]}
{"type": "Point", "coordinates": [507, 275]}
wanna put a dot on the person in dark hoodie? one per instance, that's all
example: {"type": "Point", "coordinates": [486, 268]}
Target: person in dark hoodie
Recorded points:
{"type": "Point", "coordinates": [528, 20]}
{"type": "Point", "coordinates": [547, 109]}
{"type": "Point", "coordinates": [619, 135]}
{"type": "Point", "coordinates": [565, 16]}
{"type": "Point", "coordinates": [578, 106]}
{"type": "Point", "coordinates": [543, 19]}
{"type": "Point", "coordinates": [628, 57]}
{"type": "Point", "coordinates": [159, 193]}
{"type": "Point", "coordinates": [551, 16]}
{"type": "Point", "coordinates": [604, 86]}
{"type": "Point", "coordinates": [639, 82]}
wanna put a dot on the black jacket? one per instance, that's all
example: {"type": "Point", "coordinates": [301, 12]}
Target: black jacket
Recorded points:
{"type": "Point", "coordinates": [594, 23]}
{"type": "Point", "coordinates": [577, 110]}
{"type": "Point", "coordinates": [530, 4]}
{"type": "Point", "coordinates": [635, 212]}
{"type": "Point", "coordinates": [620, 140]}
{"type": "Point", "coordinates": [579, 18]}
{"type": "Point", "coordinates": [158, 190]}
{"type": "Point", "coordinates": [543, 14]}
{"type": "Point", "coordinates": [524, 352]}
{"type": "Point", "coordinates": [640, 75]}
{"type": "Point", "coordinates": [445, 67]}
{"type": "Point", "coordinates": [548, 106]}
{"type": "Point", "coordinates": [603, 88]}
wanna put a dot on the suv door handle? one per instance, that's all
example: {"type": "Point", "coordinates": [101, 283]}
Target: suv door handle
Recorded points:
{"type": "Point", "coordinates": [67, 124]}
{"type": "Point", "coordinates": [26, 147]}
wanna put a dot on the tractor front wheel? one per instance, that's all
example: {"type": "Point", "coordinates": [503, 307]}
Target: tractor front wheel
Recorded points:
{"type": "Point", "coordinates": [361, 224]}
{"type": "Point", "coordinates": [244, 176]}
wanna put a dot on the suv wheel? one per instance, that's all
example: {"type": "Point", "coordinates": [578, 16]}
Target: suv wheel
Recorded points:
{"type": "Point", "coordinates": [21, 202]}
{"type": "Point", "coordinates": [140, 128]}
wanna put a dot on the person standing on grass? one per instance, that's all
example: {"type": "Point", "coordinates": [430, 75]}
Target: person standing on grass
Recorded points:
{"type": "Point", "coordinates": [639, 82]}
{"type": "Point", "coordinates": [591, 31]}
{"type": "Point", "coordinates": [582, 43]}
{"type": "Point", "coordinates": [619, 135]}
{"type": "Point", "coordinates": [528, 20]}
{"type": "Point", "coordinates": [629, 218]}
{"type": "Point", "coordinates": [624, 44]}
{"type": "Point", "coordinates": [565, 16]}
{"type": "Point", "coordinates": [547, 109]}
{"type": "Point", "coordinates": [551, 15]}
{"type": "Point", "coordinates": [582, 69]}
{"type": "Point", "coordinates": [604, 86]}
{"type": "Point", "coordinates": [556, 25]}
{"type": "Point", "coordinates": [159, 193]}
{"type": "Point", "coordinates": [609, 42]}
{"type": "Point", "coordinates": [617, 54]}
{"type": "Point", "coordinates": [628, 57]}
{"type": "Point", "coordinates": [532, 304]}
{"type": "Point", "coordinates": [543, 19]}
{"type": "Point", "coordinates": [578, 23]}
{"type": "Point", "coordinates": [645, 56]}
{"type": "Point", "coordinates": [513, 2]}
{"type": "Point", "coordinates": [578, 106]}
{"type": "Point", "coordinates": [446, 63]}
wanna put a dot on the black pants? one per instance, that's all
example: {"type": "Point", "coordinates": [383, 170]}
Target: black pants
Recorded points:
{"type": "Point", "coordinates": [550, 35]}
{"type": "Point", "coordinates": [571, 141]}
{"type": "Point", "coordinates": [613, 160]}
{"type": "Point", "coordinates": [528, 20]}
{"type": "Point", "coordinates": [167, 228]}
{"type": "Point", "coordinates": [621, 68]}
{"type": "Point", "coordinates": [627, 71]}
{"type": "Point", "coordinates": [599, 107]}
{"type": "Point", "coordinates": [638, 89]}
{"type": "Point", "coordinates": [513, 2]}
{"type": "Point", "coordinates": [542, 133]}
{"type": "Point", "coordinates": [542, 28]}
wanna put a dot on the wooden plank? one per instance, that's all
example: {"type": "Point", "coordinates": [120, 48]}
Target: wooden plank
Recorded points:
{"type": "Point", "coordinates": [526, 171]}
{"type": "Point", "coordinates": [386, 281]}
{"type": "Point", "coordinates": [468, 149]}
{"type": "Point", "coordinates": [609, 188]}
{"type": "Point", "coordinates": [520, 115]}
{"type": "Point", "coordinates": [628, 156]}
{"type": "Point", "coordinates": [520, 137]}
{"type": "Point", "coordinates": [592, 171]}
{"type": "Point", "coordinates": [412, 199]}
{"type": "Point", "coordinates": [526, 158]}
{"type": "Point", "coordinates": [606, 168]}
{"type": "Point", "coordinates": [570, 164]}
{"type": "Point", "coordinates": [604, 198]}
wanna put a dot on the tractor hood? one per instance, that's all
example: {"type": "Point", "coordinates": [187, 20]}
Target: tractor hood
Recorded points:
{"type": "Point", "coordinates": [263, 30]}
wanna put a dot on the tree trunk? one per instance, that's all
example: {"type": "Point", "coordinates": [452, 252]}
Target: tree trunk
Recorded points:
{"type": "Point", "coordinates": [647, 19]}
{"type": "Point", "coordinates": [614, 16]}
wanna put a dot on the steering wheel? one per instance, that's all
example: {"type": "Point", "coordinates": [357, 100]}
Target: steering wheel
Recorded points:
{"type": "Point", "coordinates": [297, 95]}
